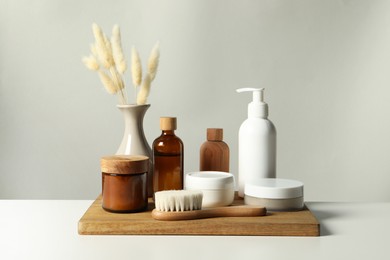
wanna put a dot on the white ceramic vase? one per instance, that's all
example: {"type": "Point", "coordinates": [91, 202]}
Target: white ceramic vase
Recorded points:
{"type": "Point", "coordinates": [134, 141]}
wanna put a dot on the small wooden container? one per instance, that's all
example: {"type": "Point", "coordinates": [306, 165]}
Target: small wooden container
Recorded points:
{"type": "Point", "coordinates": [124, 183]}
{"type": "Point", "coordinates": [214, 153]}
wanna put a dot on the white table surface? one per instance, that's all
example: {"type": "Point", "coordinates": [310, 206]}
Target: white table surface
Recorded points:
{"type": "Point", "coordinates": [47, 229]}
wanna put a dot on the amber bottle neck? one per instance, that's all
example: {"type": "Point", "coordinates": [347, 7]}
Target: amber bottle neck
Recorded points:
{"type": "Point", "coordinates": [168, 132]}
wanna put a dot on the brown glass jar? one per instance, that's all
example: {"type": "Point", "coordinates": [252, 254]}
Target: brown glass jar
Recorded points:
{"type": "Point", "coordinates": [124, 183]}
{"type": "Point", "coordinates": [168, 157]}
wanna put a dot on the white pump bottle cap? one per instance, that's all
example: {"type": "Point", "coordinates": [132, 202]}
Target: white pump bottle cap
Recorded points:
{"type": "Point", "coordinates": [257, 108]}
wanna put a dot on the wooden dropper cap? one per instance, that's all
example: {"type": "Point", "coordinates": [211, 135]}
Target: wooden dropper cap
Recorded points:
{"type": "Point", "coordinates": [168, 123]}
{"type": "Point", "coordinates": [214, 134]}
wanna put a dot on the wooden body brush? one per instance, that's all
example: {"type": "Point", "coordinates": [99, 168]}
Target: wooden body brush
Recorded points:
{"type": "Point", "coordinates": [187, 204]}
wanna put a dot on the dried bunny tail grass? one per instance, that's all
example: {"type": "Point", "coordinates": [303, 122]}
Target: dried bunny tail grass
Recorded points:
{"type": "Point", "coordinates": [109, 51]}
{"type": "Point", "coordinates": [93, 50]}
{"type": "Point", "coordinates": [144, 92]}
{"type": "Point", "coordinates": [153, 61]}
{"type": "Point", "coordinates": [136, 68]}
{"type": "Point", "coordinates": [91, 63]}
{"type": "Point", "coordinates": [117, 51]}
{"type": "Point", "coordinates": [107, 82]}
{"type": "Point", "coordinates": [119, 85]}
{"type": "Point", "coordinates": [116, 79]}
{"type": "Point", "coordinates": [103, 48]}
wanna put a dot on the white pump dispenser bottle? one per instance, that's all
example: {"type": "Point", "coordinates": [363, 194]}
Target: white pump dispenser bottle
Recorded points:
{"type": "Point", "coordinates": [256, 142]}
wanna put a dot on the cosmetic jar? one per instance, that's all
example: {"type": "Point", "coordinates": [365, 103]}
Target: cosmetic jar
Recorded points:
{"type": "Point", "coordinates": [124, 183]}
{"type": "Point", "coordinates": [275, 194]}
{"type": "Point", "coordinates": [217, 187]}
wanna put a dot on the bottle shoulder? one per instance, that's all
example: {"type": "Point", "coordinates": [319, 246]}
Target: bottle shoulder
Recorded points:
{"type": "Point", "coordinates": [257, 125]}
{"type": "Point", "coordinates": [168, 138]}
{"type": "Point", "coordinates": [214, 145]}
{"type": "Point", "coordinates": [168, 144]}
{"type": "Point", "coordinates": [258, 122]}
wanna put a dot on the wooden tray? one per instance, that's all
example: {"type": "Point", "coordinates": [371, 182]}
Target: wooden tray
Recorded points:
{"type": "Point", "coordinates": [97, 221]}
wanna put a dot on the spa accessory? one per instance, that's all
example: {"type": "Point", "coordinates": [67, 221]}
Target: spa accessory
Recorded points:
{"type": "Point", "coordinates": [186, 205]}
{"type": "Point", "coordinates": [107, 59]}
{"type": "Point", "coordinates": [256, 143]}
{"type": "Point", "coordinates": [168, 157]}
{"type": "Point", "coordinates": [217, 187]}
{"type": "Point", "coordinates": [275, 194]}
{"type": "Point", "coordinates": [134, 141]}
{"type": "Point", "coordinates": [124, 186]}
{"type": "Point", "coordinates": [214, 153]}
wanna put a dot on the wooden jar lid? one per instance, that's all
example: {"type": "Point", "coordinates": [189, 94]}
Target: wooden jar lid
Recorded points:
{"type": "Point", "coordinates": [124, 164]}
{"type": "Point", "coordinates": [168, 123]}
{"type": "Point", "coordinates": [214, 134]}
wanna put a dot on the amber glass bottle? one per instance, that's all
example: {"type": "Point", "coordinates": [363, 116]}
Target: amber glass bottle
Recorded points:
{"type": "Point", "coordinates": [168, 158]}
{"type": "Point", "coordinates": [214, 153]}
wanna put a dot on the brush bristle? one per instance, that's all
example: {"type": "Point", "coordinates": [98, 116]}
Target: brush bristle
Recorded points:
{"type": "Point", "coordinates": [178, 200]}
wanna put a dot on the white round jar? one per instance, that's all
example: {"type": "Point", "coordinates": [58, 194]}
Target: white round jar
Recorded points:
{"type": "Point", "coordinates": [275, 194]}
{"type": "Point", "coordinates": [217, 187]}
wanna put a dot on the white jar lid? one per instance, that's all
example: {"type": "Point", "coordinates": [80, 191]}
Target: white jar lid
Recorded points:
{"type": "Point", "coordinates": [270, 188]}
{"type": "Point", "coordinates": [210, 180]}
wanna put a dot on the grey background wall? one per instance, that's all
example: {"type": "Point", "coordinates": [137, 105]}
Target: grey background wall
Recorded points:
{"type": "Point", "coordinates": [325, 66]}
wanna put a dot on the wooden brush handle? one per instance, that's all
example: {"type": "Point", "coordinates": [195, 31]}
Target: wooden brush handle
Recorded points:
{"type": "Point", "coordinates": [235, 211]}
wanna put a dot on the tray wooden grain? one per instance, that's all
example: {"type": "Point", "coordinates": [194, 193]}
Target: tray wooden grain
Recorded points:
{"type": "Point", "coordinates": [97, 221]}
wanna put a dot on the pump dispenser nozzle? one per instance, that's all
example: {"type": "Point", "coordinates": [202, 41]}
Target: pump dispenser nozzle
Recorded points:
{"type": "Point", "coordinates": [257, 108]}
